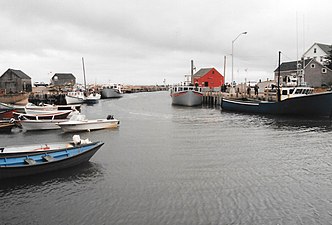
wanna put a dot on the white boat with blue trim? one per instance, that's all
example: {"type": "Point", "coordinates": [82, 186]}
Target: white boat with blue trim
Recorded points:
{"type": "Point", "coordinates": [41, 158]}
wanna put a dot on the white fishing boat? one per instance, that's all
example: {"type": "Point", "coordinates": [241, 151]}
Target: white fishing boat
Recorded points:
{"type": "Point", "coordinates": [42, 111]}
{"type": "Point", "coordinates": [112, 91]}
{"type": "Point", "coordinates": [46, 116]}
{"type": "Point", "coordinates": [92, 98]}
{"type": "Point", "coordinates": [41, 124]}
{"type": "Point", "coordinates": [187, 94]}
{"type": "Point", "coordinates": [80, 123]}
{"type": "Point", "coordinates": [31, 108]}
{"type": "Point", "coordinates": [75, 97]}
{"type": "Point", "coordinates": [40, 108]}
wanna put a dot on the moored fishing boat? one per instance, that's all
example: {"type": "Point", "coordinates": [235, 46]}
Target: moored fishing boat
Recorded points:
{"type": "Point", "coordinates": [34, 159]}
{"type": "Point", "coordinates": [46, 116]}
{"type": "Point", "coordinates": [92, 98]}
{"type": "Point", "coordinates": [6, 111]}
{"type": "Point", "coordinates": [80, 123]}
{"type": "Point", "coordinates": [51, 124]}
{"type": "Point", "coordinates": [7, 114]}
{"type": "Point", "coordinates": [111, 91]}
{"type": "Point", "coordinates": [313, 105]}
{"type": "Point", "coordinates": [75, 97]}
{"type": "Point", "coordinates": [31, 108]}
{"type": "Point", "coordinates": [288, 100]}
{"type": "Point", "coordinates": [186, 95]}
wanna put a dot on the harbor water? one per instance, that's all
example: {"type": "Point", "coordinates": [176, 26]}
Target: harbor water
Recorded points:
{"type": "Point", "coordinates": [181, 165]}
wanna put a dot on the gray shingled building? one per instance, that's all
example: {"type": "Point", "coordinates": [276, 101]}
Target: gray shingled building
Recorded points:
{"type": "Point", "coordinates": [315, 73]}
{"type": "Point", "coordinates": [60, 79]}
{"type": "Point", "coordinates": [15, 81]}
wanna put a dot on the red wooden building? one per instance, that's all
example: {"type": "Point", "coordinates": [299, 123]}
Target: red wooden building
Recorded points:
{"type": "Point", "coordinates": [208, 77]}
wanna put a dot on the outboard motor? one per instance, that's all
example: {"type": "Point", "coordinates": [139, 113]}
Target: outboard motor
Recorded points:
{"type": "Point", "coordinates": [77, 139]}
{"type": "Point", "coordinates": [21, 117]}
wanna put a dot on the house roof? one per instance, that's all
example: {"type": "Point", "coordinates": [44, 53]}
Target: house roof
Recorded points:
{"type": "Point", "coordinates": [324, 47]}
{"type": "Point", "coordinates": [202, 72]}
{"type": "Point", "coordinates": [293, 65]}
{"type": "Point", "coordinates": [19, 73]}
{"type": "Point", "coordinates": [64, 76]}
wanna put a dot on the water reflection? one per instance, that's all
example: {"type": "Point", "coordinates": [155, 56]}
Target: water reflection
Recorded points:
{"type": "Point", "coordinates": [85, 172]}
{"type": "Point", "coordinates": [291, 123]}
{"type": "Point", "coordinates": [286, 123]}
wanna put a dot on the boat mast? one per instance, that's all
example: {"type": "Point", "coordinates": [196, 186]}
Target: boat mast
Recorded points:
{"type": "Point", "coordinates": [84, 73]}
{"type": "Point", "coordinates": [192, 72]}
{"type": "Point", "coordinates": [278, 90]}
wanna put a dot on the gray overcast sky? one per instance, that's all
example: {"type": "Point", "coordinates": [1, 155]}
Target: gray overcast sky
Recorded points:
{"type": "Point", "coordinates": [147, 41]}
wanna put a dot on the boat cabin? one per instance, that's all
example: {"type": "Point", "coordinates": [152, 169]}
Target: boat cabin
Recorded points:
{"type": "Point", "coordinates": [288, 92]}
{"type": "Point", "coordinates": [185, 88]}
{"type": "Point", "coordinates": [116, 87]}
{"type": "Point", "coordinates": [291, 92]}
{"type": "Point", "coordinates": [77, 94]}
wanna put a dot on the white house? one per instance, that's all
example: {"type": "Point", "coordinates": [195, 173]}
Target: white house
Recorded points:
{"type": "Point", "coordinates": [317, 51]}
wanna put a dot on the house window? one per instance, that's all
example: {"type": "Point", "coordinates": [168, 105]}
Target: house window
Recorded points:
{"type": "Point", "coordinates": [312, 65]}
{"type": "Point", "coordinates": [315, 50]}
{"type": "Point", "coordinates": [324, 70]}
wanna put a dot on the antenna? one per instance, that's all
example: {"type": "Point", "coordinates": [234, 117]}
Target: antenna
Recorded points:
{"type": "Point", "coordinates": [278, 90]}
{"type": "Point", "coordinates": [297, 45]}
{"type": "Point", "coordinates": [84, 73]}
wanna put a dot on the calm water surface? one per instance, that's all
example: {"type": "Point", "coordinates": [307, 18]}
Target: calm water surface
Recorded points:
{"type": "Point", "coordinates": [179, 165]}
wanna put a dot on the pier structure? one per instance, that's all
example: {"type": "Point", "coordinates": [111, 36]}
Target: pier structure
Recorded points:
{"type": "Point", "coordinates": [212, 99]}
{"type": "Point", "coordinates": [56, 95]}
{"type": "Point", "coordinates": [143, 88]}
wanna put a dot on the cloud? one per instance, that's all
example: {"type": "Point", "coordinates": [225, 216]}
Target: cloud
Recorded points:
{"type": "Point", "coordinates": [146, 41]}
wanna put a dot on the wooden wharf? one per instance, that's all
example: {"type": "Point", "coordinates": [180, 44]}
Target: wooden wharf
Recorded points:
{"type": "Point", "coordinates": [214, 98]}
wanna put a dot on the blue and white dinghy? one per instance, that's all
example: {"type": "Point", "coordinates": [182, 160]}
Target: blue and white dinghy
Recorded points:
{"type": "Point", "coordinates": [34, 159]}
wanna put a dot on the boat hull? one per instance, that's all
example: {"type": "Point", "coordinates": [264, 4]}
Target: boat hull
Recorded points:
{"type": "Point", "coordinates": [314, 105]}
{"type": "Point", "coordinates": [74, 157]}
{"type": "Point", "coordinates": [74, 100]}
{"type": "Point", "coordinates": [41, 124]}
{"type": "Point", "coordinates": [72, 126]}
{"type": "Point", "coordinates": [51, 116]}
{"type": "Point", "coordinates": [110, 93]}
{"type": "Point", "coordinates": [92, 98]}
{"type": "Point", "coordinates": [187, 98]}
{"type": "Point", "coordinates": [7, 114]}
